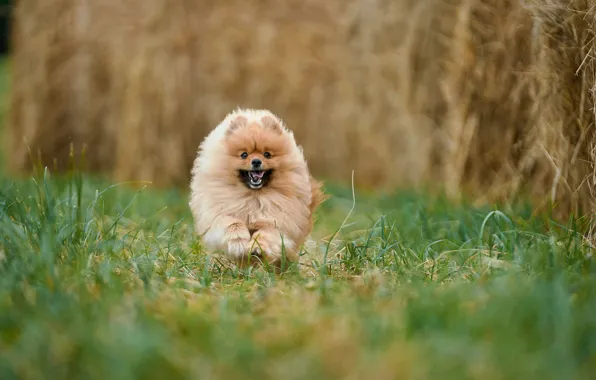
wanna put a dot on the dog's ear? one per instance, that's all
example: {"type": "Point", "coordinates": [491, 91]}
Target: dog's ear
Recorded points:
{"type": "Point", "coordinates": [238, 122]}
{"type": "Point", "coordinates": [270, 122]}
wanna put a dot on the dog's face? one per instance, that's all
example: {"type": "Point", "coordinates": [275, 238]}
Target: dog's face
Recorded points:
{"type": "Point", "coordinates": [257, 152]}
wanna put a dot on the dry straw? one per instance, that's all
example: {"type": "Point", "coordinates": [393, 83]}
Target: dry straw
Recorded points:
{"type": "Point", "coordinates": [487, 96]}
{"type": "Point", "coordinates": [565, 130]}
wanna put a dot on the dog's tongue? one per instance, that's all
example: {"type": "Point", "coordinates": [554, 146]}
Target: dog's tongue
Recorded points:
{"type": "Point", "coordinates": [257, 174]}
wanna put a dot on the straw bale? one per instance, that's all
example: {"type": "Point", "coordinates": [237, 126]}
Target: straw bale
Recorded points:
{"type": "Point", "coordinates": [565, 130]}
{"type": "Point", "coordinates": [59, 83]}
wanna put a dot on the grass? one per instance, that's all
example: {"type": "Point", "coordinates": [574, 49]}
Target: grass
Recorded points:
{"type": "Point", "coordinates": [101, 281]}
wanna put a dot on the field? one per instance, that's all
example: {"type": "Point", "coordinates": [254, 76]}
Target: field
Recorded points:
{"type": "Point", "coordinates": [102, 281]}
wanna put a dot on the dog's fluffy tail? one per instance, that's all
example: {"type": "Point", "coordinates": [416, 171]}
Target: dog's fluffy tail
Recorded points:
{"type": "Point", "coordinates": [318, 196]}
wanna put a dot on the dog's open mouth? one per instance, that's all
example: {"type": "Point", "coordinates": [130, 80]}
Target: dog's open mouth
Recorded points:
{"type": "Point", "coordinates": [255, 179]}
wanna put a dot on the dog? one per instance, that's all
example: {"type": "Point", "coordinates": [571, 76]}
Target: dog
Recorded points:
{"type": "Point", "coordinates": [252, 195]}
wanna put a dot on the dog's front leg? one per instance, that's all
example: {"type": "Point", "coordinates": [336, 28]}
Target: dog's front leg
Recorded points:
{"type": "Point", "coordinates": [271, 244]}
{"type": "Point", "coordinates": [230, 235]}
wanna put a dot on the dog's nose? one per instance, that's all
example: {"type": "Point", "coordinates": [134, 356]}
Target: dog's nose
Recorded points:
{"type": "Point", "coordinates": [256, 162]}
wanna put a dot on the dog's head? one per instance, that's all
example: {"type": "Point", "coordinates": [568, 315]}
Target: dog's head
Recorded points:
{"type": "Point", "coordinates": [259, 151]}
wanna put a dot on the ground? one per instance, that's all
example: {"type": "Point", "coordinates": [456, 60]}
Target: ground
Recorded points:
{"type": "Point", "coordinates": [101, 281]}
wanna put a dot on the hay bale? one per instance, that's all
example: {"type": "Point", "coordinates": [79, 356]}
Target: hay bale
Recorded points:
{"type": "Point", "coordinates": [61, 82]}
{"type": "Point", "coordinates": [455, 93]}
{"type": "Point", "coordinates": [564, 133]}
{"type": "Point", "coordinates": [482, 101]}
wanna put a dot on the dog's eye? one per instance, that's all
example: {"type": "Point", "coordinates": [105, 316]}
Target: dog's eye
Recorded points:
{"type": "Point", "coordinates": [244, 155]}
{"type": "Point", "coordinates": [267, 155]}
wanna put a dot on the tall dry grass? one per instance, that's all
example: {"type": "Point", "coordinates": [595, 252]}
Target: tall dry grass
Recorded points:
{"type": "Point", "coordinates": [473, 95]}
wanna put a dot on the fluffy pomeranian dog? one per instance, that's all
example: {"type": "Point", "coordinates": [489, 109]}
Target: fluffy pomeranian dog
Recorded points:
{"type": "Point", "coordinates": [252, 196]}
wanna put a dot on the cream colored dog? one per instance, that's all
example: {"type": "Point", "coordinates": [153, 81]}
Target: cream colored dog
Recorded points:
{"type": "Point", "coordinates": [251, 191]}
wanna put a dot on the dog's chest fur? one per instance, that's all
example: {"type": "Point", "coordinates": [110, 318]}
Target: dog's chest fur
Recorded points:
{"type": "Point", "coordinates": [266, 207]}
{"type": "Point", "coordinates": [257, 209]}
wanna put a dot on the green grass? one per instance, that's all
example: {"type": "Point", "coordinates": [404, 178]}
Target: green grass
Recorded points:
{"type": "Point", "coordinates": [99, 281]}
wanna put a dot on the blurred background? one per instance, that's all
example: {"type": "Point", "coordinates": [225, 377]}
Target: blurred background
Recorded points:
{"type": "Point", "coordinates": [488, 98]}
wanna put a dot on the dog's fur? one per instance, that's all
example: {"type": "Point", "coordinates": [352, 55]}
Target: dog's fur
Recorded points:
{"type": "Point", "coordinates": [238, 220]}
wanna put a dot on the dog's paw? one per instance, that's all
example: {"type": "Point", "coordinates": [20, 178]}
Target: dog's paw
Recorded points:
{"type": "Point", "coordinates": [258, 248]}
{"type": "Point", "coordinates": [265, 251]}
{"type": "Point", "coordinates": [263, 248]}
{"type": "Point", "coordinates": [268, 248]}
{"type": "Point", "coordinates": [238, 249]}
